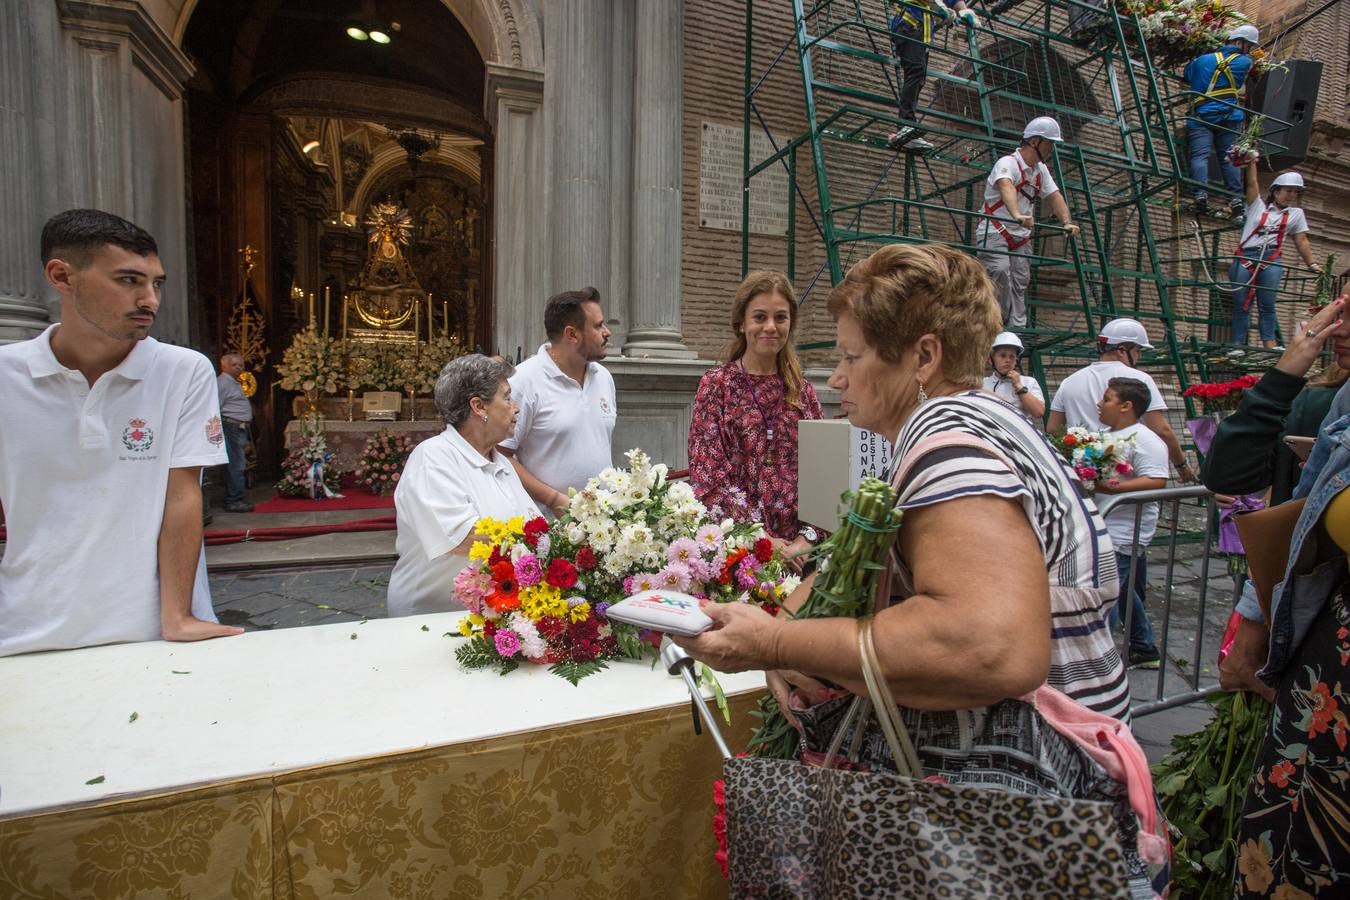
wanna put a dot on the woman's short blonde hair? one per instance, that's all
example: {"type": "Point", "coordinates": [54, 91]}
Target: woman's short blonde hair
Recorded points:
{"type": "Point", "coordinates": [904, 291]}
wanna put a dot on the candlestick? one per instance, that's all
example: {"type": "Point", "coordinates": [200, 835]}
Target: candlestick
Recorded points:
{"type": "Point", "coordinates": [431, 318]}
{"type": "Point", "coordinates": [445, 308]}
{"type": "Point", "coordinates": [327, 295]}
{"type": "Point", "coordinates": [344, 317]}
{"type": "Point", "coordinates": [311, 309]}
{"type": "Point", "coordinates": [417, 324]}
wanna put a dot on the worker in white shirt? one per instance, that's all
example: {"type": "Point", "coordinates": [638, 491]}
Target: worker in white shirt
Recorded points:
{"type": "Point", "coordinates": [1007, 383]}
{"type": "Point", "coordinates": [1014, 185]}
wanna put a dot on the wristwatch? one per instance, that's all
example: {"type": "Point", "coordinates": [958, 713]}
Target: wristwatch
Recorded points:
{"type": "Point", "coordinates": [1023, 390]}
{"type": "Point", "coordinates": [809, 533]}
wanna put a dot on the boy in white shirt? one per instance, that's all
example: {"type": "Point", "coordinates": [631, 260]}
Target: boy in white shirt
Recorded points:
{"type": "Point", "coordinates": [1119, 409]}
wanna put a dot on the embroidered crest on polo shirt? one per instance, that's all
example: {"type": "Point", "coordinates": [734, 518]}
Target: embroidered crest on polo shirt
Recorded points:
{"type": "Point", "coordinates": [137, 436]}
{"type": "Point", "coordinates": [214, 433]}
{"type": "Point", "coordinates": [604, 405]}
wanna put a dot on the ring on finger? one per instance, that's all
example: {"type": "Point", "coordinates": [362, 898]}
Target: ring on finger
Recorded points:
{"type": "Point", "coordinates": [1311, 332]}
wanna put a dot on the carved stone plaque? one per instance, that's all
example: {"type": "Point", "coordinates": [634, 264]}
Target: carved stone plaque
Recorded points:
{"type": "Point", "coordinates": [720, 167]}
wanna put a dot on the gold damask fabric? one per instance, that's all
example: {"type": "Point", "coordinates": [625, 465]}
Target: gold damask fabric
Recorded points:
{"type": "Point", "coordinates": [615, 807]}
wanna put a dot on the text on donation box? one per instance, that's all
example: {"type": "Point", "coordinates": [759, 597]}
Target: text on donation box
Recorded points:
{"type": "Point", "coordinates": [870, 457]}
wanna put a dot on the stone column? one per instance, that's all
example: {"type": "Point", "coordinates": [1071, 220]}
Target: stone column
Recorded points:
{"type": "Point", "coordinates": [621, 174]}
{"type": "Point", "coordinates": [654, 292]}
{"type": "Point", "coordinates": [27, 172]}
{"type": "Point", "coordinates": [519, 243]}
{"type": "Point", "coordinates": [577, 98]}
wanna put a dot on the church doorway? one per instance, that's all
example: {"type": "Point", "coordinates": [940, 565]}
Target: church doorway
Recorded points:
{"type": "Point", "coordinates": [340, 169]}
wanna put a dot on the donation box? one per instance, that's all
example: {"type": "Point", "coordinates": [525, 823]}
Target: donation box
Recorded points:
{"type": "Point", "coordinates": [833, 457]}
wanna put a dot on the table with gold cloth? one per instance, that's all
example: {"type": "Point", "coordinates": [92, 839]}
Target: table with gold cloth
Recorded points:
{"type": "Point", "coordinates": [350, 760]}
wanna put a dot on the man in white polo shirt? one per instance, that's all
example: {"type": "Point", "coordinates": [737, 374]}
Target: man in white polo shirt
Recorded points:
{"type": "Point", "coordinates": [103, 435]}
{"type": "Point", "coordinates": [567, 404]}
{"type": "Point", "coordinates": [1119, 346]}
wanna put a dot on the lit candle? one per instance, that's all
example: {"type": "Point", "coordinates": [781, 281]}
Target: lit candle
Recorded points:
{"type": "Point", "coordinates": [417, 324]}
{"type": "Point", "coordinates": [344, 317]}
{"type": "Point", "coordinates": [445, 307]}
{"type": "Point", "coordinates": [311, 309]}
{"type": "Point", "coordinates": [327, 294]}
{"type": "Point", "coordinates": [431, 316]}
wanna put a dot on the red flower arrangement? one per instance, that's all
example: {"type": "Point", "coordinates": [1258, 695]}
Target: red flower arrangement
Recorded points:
{"type": "Point", "coordinates": [1222, 395]}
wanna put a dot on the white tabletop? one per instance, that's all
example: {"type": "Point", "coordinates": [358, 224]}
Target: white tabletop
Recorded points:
{"type": "Point", "coordinates": [273, 701]}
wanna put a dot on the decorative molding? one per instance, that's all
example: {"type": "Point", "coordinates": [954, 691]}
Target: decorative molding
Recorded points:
{"type": "Point", "coordinates": [512, 32]}
{"type": "Point", "coordinates": [116, 21]}
{"type": "Point", "coordinates": [327, 95]}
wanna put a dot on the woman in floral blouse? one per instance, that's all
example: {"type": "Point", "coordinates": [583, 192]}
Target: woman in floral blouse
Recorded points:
{"type": "Point", "coordinates": [743, 437]}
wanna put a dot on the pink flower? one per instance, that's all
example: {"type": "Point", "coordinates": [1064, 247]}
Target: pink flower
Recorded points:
{"type": "Point", "coordinates": [682, 550]}
{"type": "Point", "coordinates": [1124, 468]}
{"type": "Point", "coordinates": [471, 588]}
{"type": "Point", "coordinates": [508, 644]}
{"type": "Point", "coordinates": [528, 570]}
{"type": "Point", "coordinates": [675, 577]}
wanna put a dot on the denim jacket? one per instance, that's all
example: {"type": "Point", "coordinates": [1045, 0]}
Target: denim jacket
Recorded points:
{"type": "Point", "coordinates": [1299, 598]}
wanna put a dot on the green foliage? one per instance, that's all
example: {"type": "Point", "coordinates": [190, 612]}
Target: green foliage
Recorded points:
{"type": "Point", "coordinates": [574, 671]}
{"type": "Point", "coordinates": [1202, 785]}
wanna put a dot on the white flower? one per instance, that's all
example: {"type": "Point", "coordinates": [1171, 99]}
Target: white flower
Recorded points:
{"type": "Point", "coordinates": [575, 532]}
{"type": "Point", "coordinates": [680, 493]}
{"type": "Point", "coordinates": [519, 550]}
{"type": "Point", "coordinates": [791, 583]}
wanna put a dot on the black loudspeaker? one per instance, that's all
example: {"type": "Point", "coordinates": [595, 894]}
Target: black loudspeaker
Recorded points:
{"type": "Point", "coordinates": [1287, 97]}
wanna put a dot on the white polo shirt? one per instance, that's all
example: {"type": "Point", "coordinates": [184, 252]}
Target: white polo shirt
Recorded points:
{"type": "Point", "coordinates": [1078, 394]}
{"type": "Point", "coordinates": [446, 487]}
{"type": "Point", "coordinates": [1030, 182]}
{"type": "Point", "coordinates": [1149, 459]}
{"type": "Point", "coordinates": [1003, 389]}
{"type": "Point", "coordinates": [83, 477]}
{"type": "Point", "coordinates": [564, 429]}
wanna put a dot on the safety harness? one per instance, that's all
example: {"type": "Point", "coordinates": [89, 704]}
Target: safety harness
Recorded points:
{"type": "Point", "coordinates": [1214, 91]}
{"type": "Point", "coordinates": [1254, 267]}
{"type": "Point", "coordinates": [1023, 181]}
{"type": "Point", "coordinates": [923, 22]}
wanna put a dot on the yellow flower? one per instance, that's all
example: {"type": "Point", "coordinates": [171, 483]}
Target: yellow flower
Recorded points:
{"type": "Point", "coordinates": [486, 527]}
{"type": "Point", "coordinates": [480, 551]}
{"type": "Point", "coordinates": [516, 525]}
{"type": "Point", "coordinates": [580, 612]}
{"type": "Point", "coordinates": [476, 619]}
{"type": "Point", "coordinates": [1254, 864]}
{"type": "Point", "coordinates": [465, 626]}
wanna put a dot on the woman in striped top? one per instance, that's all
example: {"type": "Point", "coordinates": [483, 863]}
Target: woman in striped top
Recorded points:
{"type": "Point", "coordinates": [1006, 572]}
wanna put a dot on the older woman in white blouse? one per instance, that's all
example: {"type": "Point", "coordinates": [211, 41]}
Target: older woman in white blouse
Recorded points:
{"type": "Point", "coordinates": [451, 481]}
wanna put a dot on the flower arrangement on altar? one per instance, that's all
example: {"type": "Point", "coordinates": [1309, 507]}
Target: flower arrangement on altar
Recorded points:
{"type": "Point", "coordinates": [382, 461]}
{"type": "Point", "coordinates": [381, 367]}
{"type": "Point", "coordinates": [1222, 396]}
{"type": "Point", "coordinates": [306, 471]}
{"type": "Point", "coordinates": [419, 371]}
{"type": "Point", "coordinates": [1094, 455]}
{"type": "Point", "coordinates": [1177, 31]}
{"type": "Point", "coordinates": [537, 592]}
{"type": "Point", "coordinates": [313, 363]}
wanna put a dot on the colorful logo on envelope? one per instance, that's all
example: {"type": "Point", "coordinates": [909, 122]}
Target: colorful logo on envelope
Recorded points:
{"type": "Point", "coordinates": [137, 436]}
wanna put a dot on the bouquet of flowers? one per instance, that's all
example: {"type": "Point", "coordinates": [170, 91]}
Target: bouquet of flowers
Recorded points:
{"type": "Point", "coordinates": [420, 370]}
{"type": "Point", "coordinates": [537, 592]}
{"type": "Point", "coordinates": [1247, 148]}
{"type": "Point", "coordinates": [1222, 396]}
{"type": "Point", "coordinates": [383, 367]}
{"type": "Point", "coordinates": [313, 363]}
{"type": "Point", "coordinates": [306, 471]}
{"type": "Point", "coordinates": [382, 461]}
{"type": "Point", "coordinates": [1177, 31]}
{"type": "Point", "coordinates": [1093, 455]}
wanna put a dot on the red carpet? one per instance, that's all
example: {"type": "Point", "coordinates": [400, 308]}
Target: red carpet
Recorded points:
{"type": "Point", "coordinates": [352, 498]}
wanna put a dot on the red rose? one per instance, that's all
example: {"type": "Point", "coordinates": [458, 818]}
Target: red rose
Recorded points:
{"type": "Point", "coordinates": [561, 574]}
{"type": "Point", "coordinates": [763, 550]}
{"type": "Point", "coordinates": [551, 627]}
{"type": "Point", "coordinates": [586, 558]}
{"type": "Point", "coordinates": [1070, 440]}
{"type": "Point", "coordinates": [497, 557]}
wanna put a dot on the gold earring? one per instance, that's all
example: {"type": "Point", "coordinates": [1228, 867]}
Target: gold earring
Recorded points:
{"type": "Point", "coordinates": [923, 395]}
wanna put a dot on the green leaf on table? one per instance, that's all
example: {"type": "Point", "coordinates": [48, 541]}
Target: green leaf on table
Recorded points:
{"type": "Point", "coordinates": [180, 672]}
{"type": "Point", "coordinates": [133, 717]}
{"type": "Point", "coordinates": [574, 671]}
{"type": "Point", "coordinates": [97, 780]}
{"type": "Point", "coordinates": [353, 635]}
{"type": "Point", "coordinates": [322, 606]}
{"type": "Point", "coordinates": [507, 666]}
{"type": "Point", "coordinates": [426, 627]}
{"type": "Point", "coordinates": [476, 654]}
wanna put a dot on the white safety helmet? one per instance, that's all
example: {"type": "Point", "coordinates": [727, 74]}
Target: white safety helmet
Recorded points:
{"type": "Point", "coordinates": [1246, 33]}
{"type": "Point", "coordinates": [1124, 331]}
{"type": "Point", "coordinates": [1007, 339]}
{"type": "Point", "coordinates": [1043, 127]}
{"type": "Point", "coordinates": [1288, 179]}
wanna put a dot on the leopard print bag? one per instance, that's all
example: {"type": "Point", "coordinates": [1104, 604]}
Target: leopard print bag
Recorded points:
{"type": "Point", "coordinates": [985, 814]}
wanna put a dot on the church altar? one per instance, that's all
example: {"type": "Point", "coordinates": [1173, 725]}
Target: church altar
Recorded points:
{"type": "Point", "coordinates": [353, 759]}
{"type": "Point", "coordinates": [347, 439]}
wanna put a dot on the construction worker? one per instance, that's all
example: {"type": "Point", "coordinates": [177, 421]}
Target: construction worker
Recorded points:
{"type": "Point", "coordinates": [1216, 117]}
{"type": "Point", "coordinates": [1256, 269]}
{"type": "Point", "coordinates": [1007, 383]}
{"type": "Point", "coordinates": [1014, 185]}
{"type": "Point", "coordinates": [912, 23]}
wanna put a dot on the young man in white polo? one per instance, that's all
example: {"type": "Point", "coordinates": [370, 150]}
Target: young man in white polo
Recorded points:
{"type": "Point", "coordinates": [1119, 345]}
{"type": "Point", "coordinates": [103, 435]}
{"type": "Point", "coordinates": [567, 402]}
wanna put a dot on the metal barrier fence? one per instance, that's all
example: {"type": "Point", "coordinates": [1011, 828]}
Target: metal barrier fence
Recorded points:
{"type": "Point", "coordinates": [1170, 501]}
